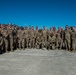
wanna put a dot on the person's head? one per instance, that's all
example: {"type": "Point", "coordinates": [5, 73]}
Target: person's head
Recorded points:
{"type": "Point", "coordinates": [16, 27]}
{"type": "Point", "coordinates": [9, 25]}
{"type": "Point", "coordinates": [13, 27]}
{"type": "Point", "coordinates": [3, 26]}
{"type": "Point", "coordinates": [40, 30]}
{"type": "Point", "coordinates": [44, 27]}
{"type": "Point", "coordinates": [32, 28]}
{"type": "Point", "coordinates": [21, 28]}
{"type": "Point", "coordinates": [50, 29]}
{"type": "Point", "coordinates": [59, 28]}
{"type": "Point", "coordinates": [62, 29]}
{"type": "Point", "coordinates": [66, 27]}
{"type": "Point", "coordinates": [72, 28]}
{"type": "Point", "coordinates": [25, 27]}
{"type": "Point", "coordinates": [36, 27]}
{"type": "Point", "coordinates": [54, 28]}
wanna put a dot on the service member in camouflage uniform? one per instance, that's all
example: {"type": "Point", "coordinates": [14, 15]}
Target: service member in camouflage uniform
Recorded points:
{"type": "Point", "coordinates": [49, 38]}
{"type": "Point", "coordinates": [73, 39]}
{"type": "Point", "coordinates": [20, 36]}
{"type": "Point", "coordinates": [10, 34]}
{"type": "Point", "coordinates": [32, 38]}
{"type": "Point", "coordinates": [36, 35]}
{"type": "Point", "coordinates": [44, 32]}
{"type": "Point", "coordinates": [54, 38]}
{"type": "Point", "coordinates": [62, 38]}
{"type": "Point", "coordinates": [26, 37]}
{"type": "Point", "coordinates": [58, 39]}
{"type": "Point", "coordinates": [1, 43]}
{"type": "Point", "coordinates": [40, 42]}
{"type": "Point", "coordinates": [15, 43]}
{"type": "Point", "coordinates": [67, 35]}
{"type": "Point", "coordinates": [4, 32]}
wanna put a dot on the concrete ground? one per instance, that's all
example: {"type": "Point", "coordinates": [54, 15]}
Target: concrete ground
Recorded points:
{"type": "Point", "coordinates": [38, 62]}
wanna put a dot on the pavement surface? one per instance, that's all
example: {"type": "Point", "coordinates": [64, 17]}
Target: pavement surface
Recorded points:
{"type": "Point", "coordinates": [38, 62]}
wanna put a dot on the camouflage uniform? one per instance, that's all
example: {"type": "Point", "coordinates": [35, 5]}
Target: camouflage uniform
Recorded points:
{"type": "Point", "coordinates": [15, 42]}
{"type": "Point", "coordinates": [5, 38]}
{"type": "Point", "coordinates": [73, 40]}
{"type": "Point", "coordinates": [58, 40]}
{"type": "Point", "coordinates": [26, 37]}
{"type": "Point", "coordinates": [54, 38]}
{"type": "Point", "coordinates": [49, 39]}
{"type": "Point", "coordinates": [67, 35]}
{"type": "Point", "coordinates": [29, 38]}
{"type": "Point", "coordinates": [62, 38]}
{"type": "Point", "coordinates": [31, 35]}
{"type": "Point", "coordinates": [10, 33]}
{"type": "Point", "coordinates": [21, 39]}
{"type": "Point", "coordinates": [36, 35]}
{"type": "Point", "coordinates": [45, 38]}
{"type": "Point", "coordinates": [40, 42]}
{"type": "Point", "coordinates": [1, 43]}
{"type": "Point", "coordinates": [32, 39]}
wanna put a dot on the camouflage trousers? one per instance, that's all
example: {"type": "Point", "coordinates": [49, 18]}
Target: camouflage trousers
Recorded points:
{"type": "Point", "coordinates": [6, 44]}
{"type": "Point", "coordinates": [15, 43]}
{"type": "Point", "coordinates": [1, 48]}
{"type": "Point", "coordinates": [53, 42]}
{"type": "Point", "coordinates": [67, 43]}
{"type": "Point", "coordinates": [21, 43]}
{"type": "Point", "coordinates": [73, 44]}
{"type": "Point", "coordinates": [1, 44]}
{"type": "Point", "coordinates": [45, 42]}
{"type": "Point", "coordinates": [27, 42]}
{"type": "Point", "coordinates": [59, 43]}
{"type": "Point", "coordinates": [11, 43]}
{"type": "Point", "coordinates": [40, 45]}
{"type": "Point", "coordinates": [32, 42]}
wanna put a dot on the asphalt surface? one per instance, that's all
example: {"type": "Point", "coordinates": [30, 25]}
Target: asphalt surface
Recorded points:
{"type": "Point", "coordinates": [38, 62]}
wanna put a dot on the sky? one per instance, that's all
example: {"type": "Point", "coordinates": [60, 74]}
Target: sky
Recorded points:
{"type": "Point", "coordinates": [39, 13]}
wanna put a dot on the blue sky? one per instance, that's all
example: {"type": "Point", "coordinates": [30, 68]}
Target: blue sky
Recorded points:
{"type": "Point", "coordinates": [38, 12]}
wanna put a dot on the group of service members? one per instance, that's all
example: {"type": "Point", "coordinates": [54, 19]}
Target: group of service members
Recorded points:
{"type": "Point", "coordinates": [20, 38]}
